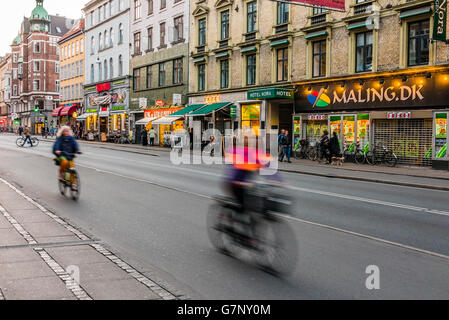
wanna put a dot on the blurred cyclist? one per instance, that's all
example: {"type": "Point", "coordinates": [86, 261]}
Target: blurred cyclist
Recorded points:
{"type": "Point", "coordinates": [64, 148]}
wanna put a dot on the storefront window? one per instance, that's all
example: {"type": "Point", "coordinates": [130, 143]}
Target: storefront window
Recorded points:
{"type": "Point", "coordinates": [363, 129]}
{"type": "Point", "coordinates": [335, 125]}
{"type": "Point", "coordinates": [251, 117]}
{"type": "Point", "coordinates": [348, 130]}
{"type": "Point", "coordinates": [441, 135]}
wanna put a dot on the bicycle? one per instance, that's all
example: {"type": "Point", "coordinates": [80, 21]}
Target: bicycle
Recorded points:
{"type": "Point", "coordinates": [382, 155]}
{"type": "Point", "coordinates": [315, 153]}
{"type": "Point", "coordinates": [70, 180]}
{"type": "Point", "coordinates": [301, 150]}
{"type": "Point", "coordinates": [269, 239]}
{"type": "Point", "coordinates": [20, 142]}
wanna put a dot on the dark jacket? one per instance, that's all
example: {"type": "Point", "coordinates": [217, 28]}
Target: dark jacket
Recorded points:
{"type": "Point", "coordinates": [67, 145]}
{"type": "Point", "coordinates": [334, 146]}
{"type": "Point", "coordinates": [285, 140]}
{"type": "Point", "coordinates": [324, 142]}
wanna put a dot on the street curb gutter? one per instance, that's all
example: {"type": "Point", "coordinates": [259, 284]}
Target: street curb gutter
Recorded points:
{"type": "Point", "coordinates": [398, 183]}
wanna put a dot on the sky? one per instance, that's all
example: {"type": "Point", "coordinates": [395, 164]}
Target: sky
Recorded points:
{"type": "Point", "coordinates": [13, 11]}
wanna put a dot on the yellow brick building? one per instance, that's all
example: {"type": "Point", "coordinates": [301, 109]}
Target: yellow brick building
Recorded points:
{"type": "Point", "coordinates": [71, 55]}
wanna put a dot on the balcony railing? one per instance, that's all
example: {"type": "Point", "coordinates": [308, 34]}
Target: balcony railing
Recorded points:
{"type": "Point", "coordinates": [363, 8]}
{"type": "Point", "coordinates": [318, 19]}
{"type": "Point", "coordinates": [281, 29]}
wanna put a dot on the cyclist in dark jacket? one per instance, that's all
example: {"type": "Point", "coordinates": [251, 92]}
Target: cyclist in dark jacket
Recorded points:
{"type": "Point", "coordinates": [65, 148]}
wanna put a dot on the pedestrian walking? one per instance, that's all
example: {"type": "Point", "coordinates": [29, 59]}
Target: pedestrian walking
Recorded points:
{"type": "Point", "coordinates": [286, 146]}
{"type": "Point", "coordinates": [144, 137]}
{"type": "Point", "coordinates": [20, 130]}
{"type": "Point", "coordinates": [280, 146]}
{"type": "Point", "coordinates": [334, 147]}
{"type": "Point", "coordinates": [324, 146]}
{"type": "Point", "coordinates": [27, 134]}
{"type": "Point", "coordinates": [152, 135]}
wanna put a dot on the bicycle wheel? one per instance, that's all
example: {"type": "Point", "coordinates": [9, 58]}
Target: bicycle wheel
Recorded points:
{"type": "Point", "coordinates": [371, 157]}
{"type": "Point", "coordinates": [19, 142]}
{"type": "Point", "coordinates": [312, 154]}
{"type": "Point", "coordinates": [391, 159]}
{"type": "Point", "coordinates": [75, 187]}
{"type": "Point", "coordinates": [35, 142]}
{"type": "Point", "coordinates": [278, 248]}
{"type": "Point", "coordinates": [218, 219]}
{"type": "Point", "coordinates": [62, 187]}
{"type": "Point", "coordinates": [359, 157]}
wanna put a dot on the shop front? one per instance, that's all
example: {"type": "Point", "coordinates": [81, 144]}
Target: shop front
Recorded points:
{"type": "Point", "coordinates": [398, 113]}
{"type": "Point", "coordinates": [89, 123]}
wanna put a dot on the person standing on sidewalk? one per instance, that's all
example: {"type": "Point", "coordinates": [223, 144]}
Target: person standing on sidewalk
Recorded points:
{"type": "Point", "coordinates": [280, 146]}
{"type": "Point", "coordinates": [20, 130]}
{"type": "Point", "coordinates": [144, 137]}
{"type": "Point", "coordinates": [334, 146]}
{"type": "Point", "coordinates": [286, 147]}
{"type": "Point", "coordinates": [152, 135]}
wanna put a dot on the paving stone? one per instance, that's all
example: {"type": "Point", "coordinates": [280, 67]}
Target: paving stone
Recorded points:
{"type": "Point", "coordinates": [16, 203]}
{"type": "Point", "coordinates": [18, 255]}
{"type": "Point", "coordinates": [4, 223]}
{"type": "Point", "coordinates": [104, 271]}
{"type": "Point", "coordinates": [76, 255]}
{"type": "Point", "coordinates": [125, 289]}
{"type": "Point", "coordinates": [10, 237]}
{"type": "Point", "coordinates": [57, 239]}
{"type": "Point", "coordinates": [29, 215]}
{"type": "Point", "coordinates": [24, 270]}
{"type": "Point", "coordinates": [38, 288]}
{"type": "Point", "coordinates": [45, 229]}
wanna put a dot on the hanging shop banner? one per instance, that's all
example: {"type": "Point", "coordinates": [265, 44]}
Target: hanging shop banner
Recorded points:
{"type": "Point", "coordinates": [338, 5]}
{"type": "Point", "coordinates": [99, 100]}
{"type": "Point", "coordinates": [415, 91]}
{"type": "Point", "coordinates": [440, 20]}
{"type": "Point", "coordinates": [161, 112]}
{"type": "Point", "coordinates": [250, 112]}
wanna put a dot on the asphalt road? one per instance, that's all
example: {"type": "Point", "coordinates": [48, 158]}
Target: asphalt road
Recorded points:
{"type": "Point", "coordinates": [153, 214]}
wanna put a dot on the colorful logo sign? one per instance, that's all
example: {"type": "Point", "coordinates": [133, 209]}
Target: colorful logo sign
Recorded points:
{"type": "Point", "coordinates": [319, 99]}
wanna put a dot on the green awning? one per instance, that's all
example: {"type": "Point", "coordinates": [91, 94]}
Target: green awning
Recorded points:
{"type": "Point", "coordinates": [199, 60]}
{"type": "Point", "coordinates": [414, 12]}
{"type": "Point", "coordinates": [222, 55]}
{"type": "Point", "coordinates": [316, 34]}
{"type": "Point", "coordinates": [279, 43]}
{"type": "Point", "coordinates": [357, 25]}
{"type": "Point", "coordinates": [209, 109]}
{"type": "Point", "coordinates": [187, 110]}
{"type": "Point", "coordinates": [248, 49]}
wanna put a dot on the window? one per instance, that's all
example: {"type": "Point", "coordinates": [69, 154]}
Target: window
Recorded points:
{"type": "Point", "coordinates": [201, 77]}
{"type": "Point", "coordinates": [418, 43]}
{"type": "Point", "coordinates": [137, 43]}
{"type": "Point", "coordinates": [283, 11]}
{"type": "Point", "coordinates": [92, 73]}
{"type": "Point", "coordinates": [37, 66]}
{"type": "Point", "coordinates": [136, 79]}
{"type": "Point", "coordinates": [120, 33]}
{"type": "Point", "coordinates": [162, 30]}
{"type": "Point", "coordinates": [99, 72]}
{"type": "Point", "coordinates": [56, 67]}
{"type": "Point", "coordinates": [202, 32]}
{"type": "Point", "coordinates": [111, 37]}
{"type": "Point", "coordinates": [92, 45]}
{"type": "Point", "coordinates": [100, 41]}
{"type": "Point", "coordinates": [251, 18]}
{"type": "Point", "coordinates": [57, 88]}
{"type": "Point", "coordinates": [250, 69]}
{"type": "Point", "coordinates": [319, 58]}
{"type": "Point", "coordinates": [150, 38]}
{"type": "Point", "coordinates": [106, 39]}
{"type": "Point", "coordinates": [36, 85]}
{"type": "Point", "coordinates": [110, 8]}
{"type": "Point", "coordinates": [224, 33]}
{"type": "Point", "coordinates": [150, 6]}
{"type": "Point", "coordinates": [364, 52]}
{"type": "Point", "coordinates": [320, 10]}
{"type": "Point", "coordinates": [149, 76]}
{"type": "Point", "coordinates": [137, 9]}
{"type": "Point", "coordinates": [163, 4]}
{"type": "Point", "coordinates": [111, 68]}
{"type": "Point", "coordinates": [105, 70]}
{"type": "Point", "coordinates": [37, 47]}
{"type": "Point", "coordinates": [14, 90]}
{"type": "Point", "coordinates": [224, 74]}
{"type": "Point", "coordinates": [73, 49]}
{"type": "Point", "coordinates": [179, 29]}
{"type": "Point", "coordinates": [177, 71]}
{"type": "Point", "coordinates": [77, 47]}
{"type": "Point", "coordinates": [282, 64]}
{"type": "Point", "coordinates": [120, 65]}
{"type": "Point", "coordinates": [161, 74]}
{"type": "Point", "coordinates": [92, 18]}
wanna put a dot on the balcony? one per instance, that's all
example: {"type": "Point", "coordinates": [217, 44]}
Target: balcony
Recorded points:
{"type": "Point", "coordinates": [363, 8]}
{"type": "Point", "coordinates": [223, 43]}
{"type": "Point", "coordinates": [281, 28]}
{"type": "Point", "coordinates": [318, 19]}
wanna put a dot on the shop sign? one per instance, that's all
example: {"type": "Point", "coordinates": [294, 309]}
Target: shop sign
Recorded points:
{"type": "Point", "coordinates": [177, 98]}
{"type": "Point", "coordinates": [212, 99]}
{"type": "Point", "coordinates": [338, 5]}
{"type": "Point", "coordinates": [103, 87]}
{"type": "Point", "coordinates": [143, 102]}
{"type": "Point", "coordinates": [399, 115]}
{"type": "Point", "coordinates": [233, 111]}
{"type": "Point", "coordinates": [271, 93]}
{"type": "Point", "coordinates": [14, 116]}
{"type": "Point", "coordinates": [160, 103]}
{"type": "Point", "coordinates": [317, 117]}
{"type": "Point", "coordinates": [250, 112]}
{"type": "Point", "coordinates": [440, 20]}
{"type": "Point", "coordinates": [118, 97]}
{"type": "Point", "coordinates": [118, 108]}
{"type": "Point", "coordinates": [94, 110]}
{"type": "Point", "coordinates": [414, 91]}
{"type": "Point", "coordinates": [152, 113]}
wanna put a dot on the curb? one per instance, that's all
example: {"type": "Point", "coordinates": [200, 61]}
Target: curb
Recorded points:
{"type": "Point", "coordinates": [398, 183]}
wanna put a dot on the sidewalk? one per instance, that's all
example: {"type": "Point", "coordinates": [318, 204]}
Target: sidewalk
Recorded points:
{"type": "Point", "coordinates": [421, 177]}
{"type": "Point", "coordinates": [44, 258]}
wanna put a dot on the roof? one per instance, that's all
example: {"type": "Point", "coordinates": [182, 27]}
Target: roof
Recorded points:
{"type": "Point", "coordinates": [78, 27]}
{"type": "Point", "coordinates": [39, 11]}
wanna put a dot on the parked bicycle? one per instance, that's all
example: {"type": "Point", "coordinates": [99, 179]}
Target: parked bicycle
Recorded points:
{"type": "Point", "coordinates": [315, 152]}
{"type": "Point", "coordinates": [301, 149]}
{"type": "Point", "coordinates": [381, 154]}
{"type": "Point", "coordinates": [20, 142]}
{"type": "Point", "coordinates": [357, 154]}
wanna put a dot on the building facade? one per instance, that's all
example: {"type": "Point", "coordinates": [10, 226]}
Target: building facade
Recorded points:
{"type": "Point", "coordinates": [107, 81]}
{"type": "Point", "coordinates": [35, 68]}
{"type": "Point", "coordinates": [373, 74]}
{"type": "Point", "coordinates": [159, 34]}
{"type": "Point", "coordinates": [71, 82]}
{"type": "Point", "coordinates": [5, 92]}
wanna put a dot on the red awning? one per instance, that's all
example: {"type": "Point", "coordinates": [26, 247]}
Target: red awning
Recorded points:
{"type": "Point", "coordinates": [67, 111]}
{"type": "Point", "coordinates": [57, 111]}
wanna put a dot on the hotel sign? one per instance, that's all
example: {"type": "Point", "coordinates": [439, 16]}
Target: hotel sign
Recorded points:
{"type": "Point", "coordinates": [271, 93]}
{"type": "Point", "coordinates": [440, 20]}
